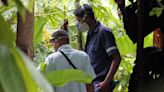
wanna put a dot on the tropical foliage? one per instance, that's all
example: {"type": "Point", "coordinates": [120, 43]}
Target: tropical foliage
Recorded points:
{"type": "Point", "coordinates": [62, 77]}
{"type": "Point", "coordinates": [107, 16]}
{"type": "Point", "coordinates": [49, 16]}
{"type": "Point", "coordinates": [18, 73]}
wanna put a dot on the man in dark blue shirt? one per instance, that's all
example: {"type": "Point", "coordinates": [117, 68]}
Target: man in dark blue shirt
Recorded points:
{"type": "Point", "coordinates": [100, 46]}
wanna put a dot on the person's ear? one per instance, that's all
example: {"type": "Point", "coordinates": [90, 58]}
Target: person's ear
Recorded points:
{"type": "Point", "coordinates": [57, 43]}
{"type": "Point", "coordinates": [87, 19]}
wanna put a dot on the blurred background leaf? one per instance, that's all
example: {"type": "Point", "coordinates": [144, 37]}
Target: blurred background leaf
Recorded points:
{"type": "Point", "coordinates": [38, 28]}
{"type": "Point", "coordinates": [8, 39]}
{"type": "Point", "coordinates": [18, 73]}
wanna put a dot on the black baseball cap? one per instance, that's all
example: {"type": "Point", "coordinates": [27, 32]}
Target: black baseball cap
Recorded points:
{"type": "Point", "coordinates": [59, 34]}
{"type": "Point", "coordinates": [85, 9]}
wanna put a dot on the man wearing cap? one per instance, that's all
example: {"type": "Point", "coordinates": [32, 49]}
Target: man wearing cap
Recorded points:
{"type": "Point", "coordinates": [66, 57]}
{"type": "Point", "coordinates": [101, 48]}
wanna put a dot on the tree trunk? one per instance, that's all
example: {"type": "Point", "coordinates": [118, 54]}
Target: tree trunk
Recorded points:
{"type": "Point", "coordinates": [140, 42]}
{"type": "Point", "coordinates": [25, 30]}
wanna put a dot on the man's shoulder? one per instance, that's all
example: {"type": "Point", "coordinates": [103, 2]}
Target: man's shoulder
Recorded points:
{"type": "Point", "coordinates": [54, 55]}
{"type": "Point", "coordinates": [79, 52]}
{"type": "Point", "coordinates": [104, 29]}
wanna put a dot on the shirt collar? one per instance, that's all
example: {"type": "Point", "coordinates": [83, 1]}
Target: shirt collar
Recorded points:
{"type": "Point", "coordinates": [64, 47]}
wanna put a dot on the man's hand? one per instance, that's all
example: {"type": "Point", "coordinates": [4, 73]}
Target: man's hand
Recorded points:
{"type": "Point", "coordinates": [104, 86]}
{"type": "Point", "coordinates": [90, 87]}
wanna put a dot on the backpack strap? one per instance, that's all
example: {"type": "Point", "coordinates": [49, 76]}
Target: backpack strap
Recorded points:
{"type": "Point", "coordinates": [69, 61]}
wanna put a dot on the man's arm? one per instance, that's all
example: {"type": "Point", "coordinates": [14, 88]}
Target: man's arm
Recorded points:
{"type": "Point", "coordinates": [90, 87]}
{"type": "Point", "coordinates": [89, 69]}
{"type": "Point", "coordinates": [113, 68]}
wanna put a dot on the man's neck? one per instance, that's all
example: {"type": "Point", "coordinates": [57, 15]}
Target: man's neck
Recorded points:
{"type": "Point", "coordinates": [93, 24]}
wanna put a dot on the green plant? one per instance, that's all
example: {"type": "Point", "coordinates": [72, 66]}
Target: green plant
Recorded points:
{"type": "Point", "coordinates": [62, 77]}
{"type": "Point", "coordinates": [106, 12]}
{"type": "Point", "coordinates": [18, 73]}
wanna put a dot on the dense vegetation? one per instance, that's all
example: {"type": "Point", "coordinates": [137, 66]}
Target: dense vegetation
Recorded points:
{"type": "Point", "coordinates": [49, 16]}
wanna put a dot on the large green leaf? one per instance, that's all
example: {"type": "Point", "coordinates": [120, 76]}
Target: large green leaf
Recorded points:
{"type": "Point", "coordinates": [6, 34]}
{"type": "Point", "coordinates": [148, 40]}
{"type": "Point", "coordinates": [38, 28]}
{"type": "Point", "coordinates": [1, 89]}
{"type": "Point", "coordinates": [62, 77]}
{"type": "Point", "coordinates": [10, 78]}
{"type": "Point", "coordinates": [18, 73]}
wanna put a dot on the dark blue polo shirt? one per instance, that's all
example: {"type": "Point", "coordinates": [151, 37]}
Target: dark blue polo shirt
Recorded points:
{"type": "Point", "coordinates": [101, 47]}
